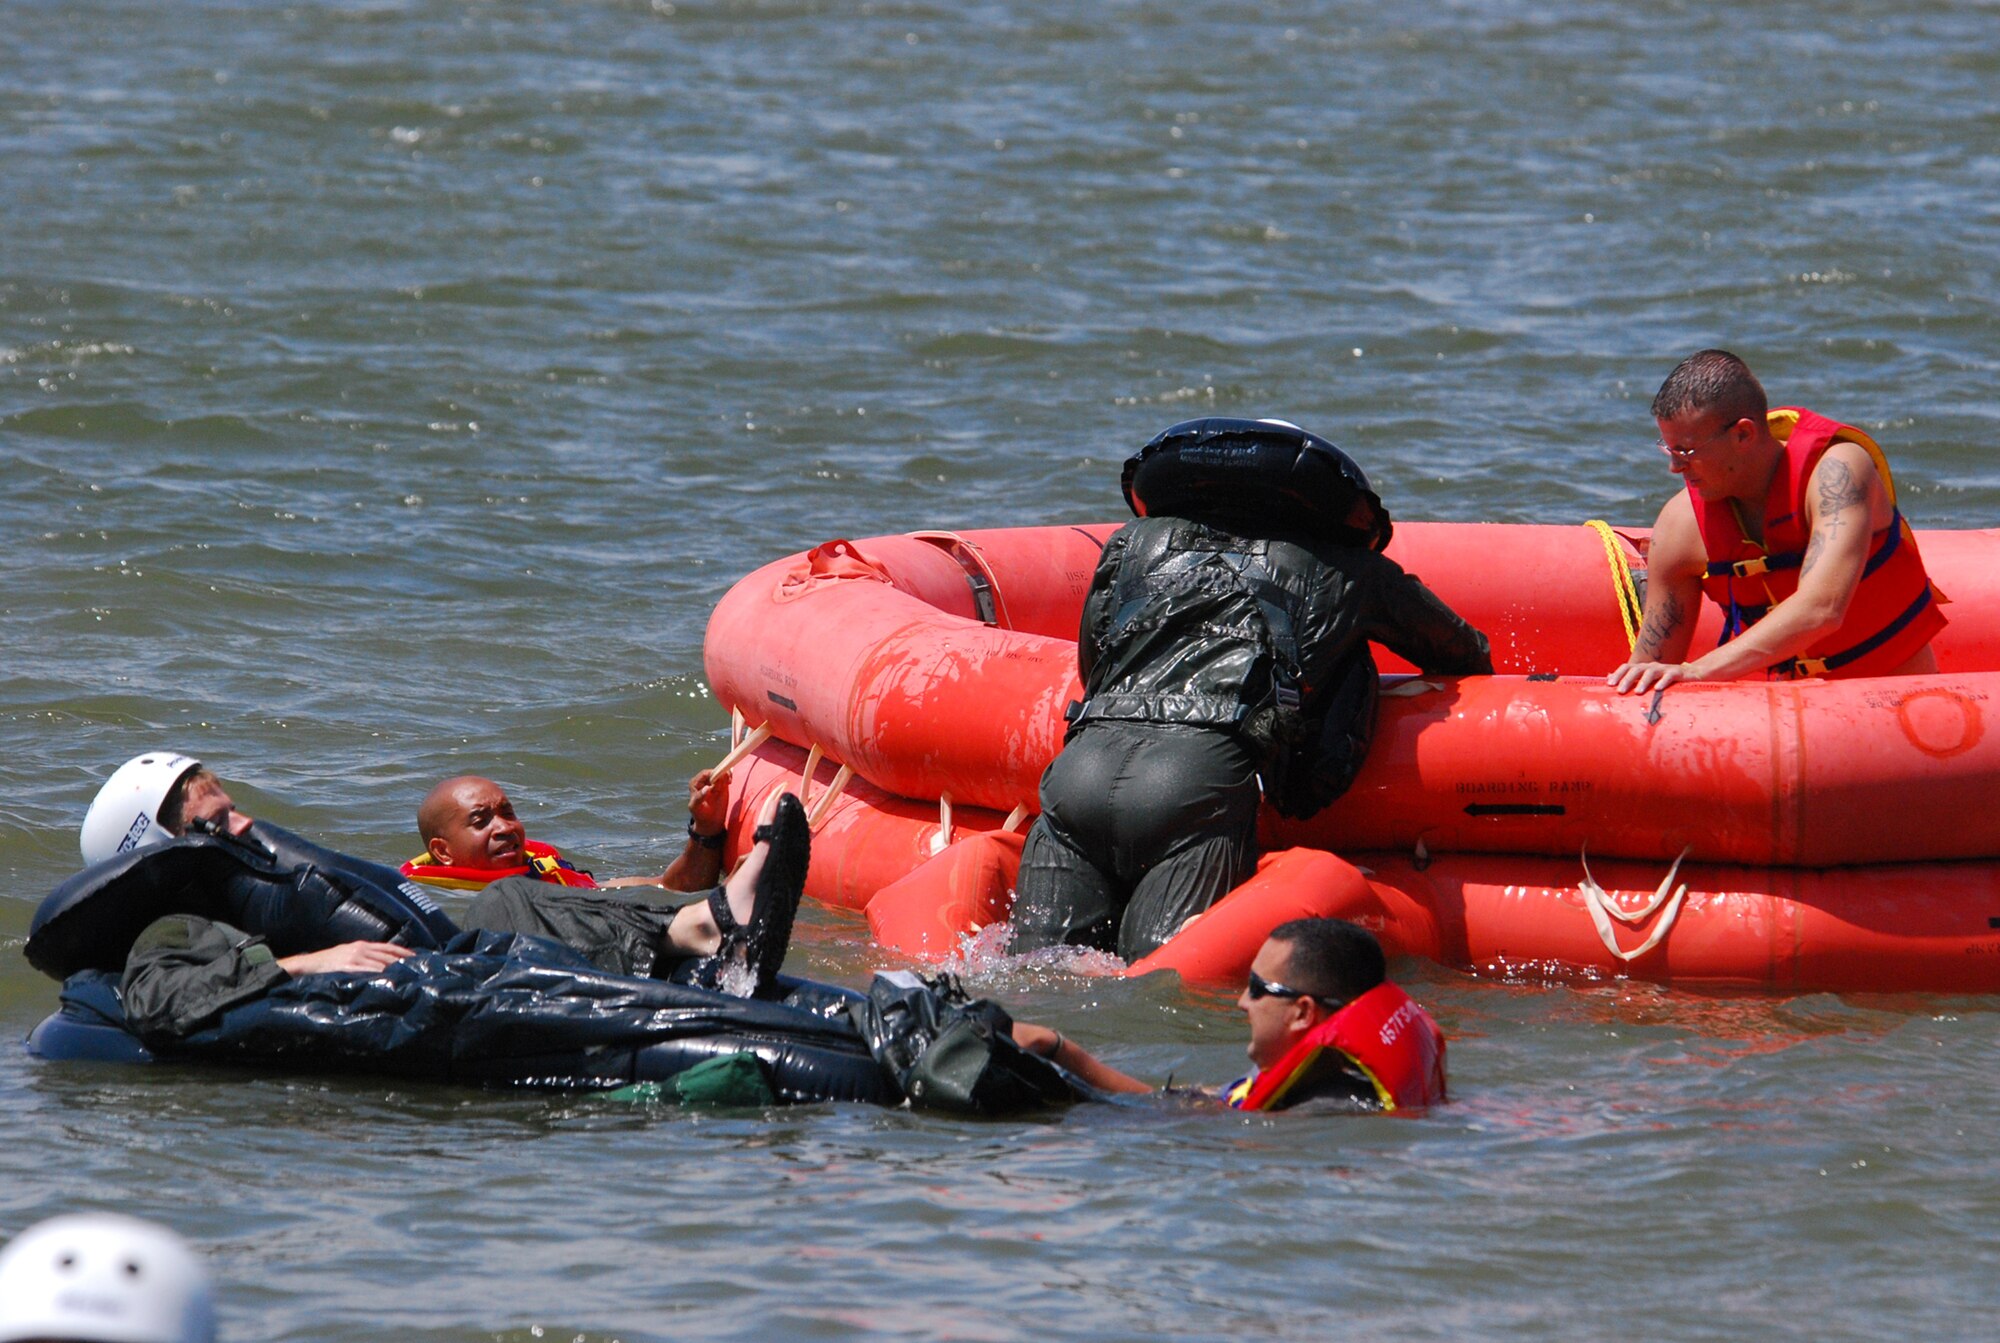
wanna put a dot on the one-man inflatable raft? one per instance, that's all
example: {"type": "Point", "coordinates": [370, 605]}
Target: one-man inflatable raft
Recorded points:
{"type": "Point", "coordinates": [1796, 835]}
{"type": "Point", "coordinates": [469, 1008]}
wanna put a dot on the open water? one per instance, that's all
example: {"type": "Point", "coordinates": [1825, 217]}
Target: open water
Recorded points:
{"type": "Point", "coordinates": [390, 388]}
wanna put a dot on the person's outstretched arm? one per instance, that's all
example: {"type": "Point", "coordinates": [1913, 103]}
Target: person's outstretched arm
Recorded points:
{"type": "Point", "coordinates": [1058, 1048]}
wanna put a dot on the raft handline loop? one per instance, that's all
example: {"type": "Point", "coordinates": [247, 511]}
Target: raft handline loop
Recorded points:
{"type": "Point", "coordinates": [813, 757]}
{"type": "Point", "coordinates": [1623, 590]}
{"type": "Point", "coordinates": [820, 809]}
{"type": "Point", "coordinates": [1602, 911]}
{"type": "Point", "coordinates": [942, 840]}
{"type": "Point", "coordinates": [986, 599]}
{"type": "Point", "coordinates": [750, 743]}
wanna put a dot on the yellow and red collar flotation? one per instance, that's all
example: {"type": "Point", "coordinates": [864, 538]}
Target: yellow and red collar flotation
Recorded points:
{"type": "Point", "coordinates": [543, 863]}
{"type": "Point", "coordinates": [1894, 612]}
{"type": "Point", "coordinates": [1383, 1034]}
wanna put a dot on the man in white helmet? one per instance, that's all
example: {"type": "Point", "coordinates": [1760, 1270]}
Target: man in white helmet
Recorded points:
{"type": "Point", "coordinates": [102, 1278]}
{"type": "Point", "coordinates": [161, 795]}
{"type": "Point", "coordinates": [153, 798]}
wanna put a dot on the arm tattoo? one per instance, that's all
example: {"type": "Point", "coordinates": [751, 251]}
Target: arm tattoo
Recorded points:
{"type": "Point", "coordinates": [1838, 489]}
{"type": "Point", "coordinates": [1659, 626]}
{"type": "Point", "coordinates": [1815, 546]}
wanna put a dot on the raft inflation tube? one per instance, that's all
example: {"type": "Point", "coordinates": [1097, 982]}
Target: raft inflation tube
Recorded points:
{"type": "Point", "coordinates": [1838, 833]}
{"type": "Point", "coordinates": [470, 1008]}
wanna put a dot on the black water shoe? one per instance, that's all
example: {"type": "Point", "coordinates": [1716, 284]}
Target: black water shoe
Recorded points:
{"type": "Point", "coordinates": [759, 946]}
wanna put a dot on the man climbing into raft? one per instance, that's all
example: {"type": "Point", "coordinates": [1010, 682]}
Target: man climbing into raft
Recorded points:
{"type": "Point", "coordinates": [472, 838]}
{"type": "Point", "coordinates": [1326, 1024]}
{"type": "Point", "coordinates": [159, 796]}
{"type": "Point", "coordinates": [1224, 654]}
{"type": "Point", "coordinates": [1789, 523]}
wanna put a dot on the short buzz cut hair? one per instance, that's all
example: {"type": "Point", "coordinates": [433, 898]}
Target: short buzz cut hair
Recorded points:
{"type": "Point", "coordinates": [1331, 959]}
{"type": "Point", "coordinates": [1712, 380]}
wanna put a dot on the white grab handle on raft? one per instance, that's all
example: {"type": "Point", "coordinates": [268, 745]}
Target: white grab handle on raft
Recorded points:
{"type": "Point", "coordinates": [818, 811]}
{"type": "Point", "coordinates": [1602, 910]}
{"type": "Point", "coordinates": [813, 757]}
{"type": "Point", "coordinates": [745, 747]}
{"type": "Point", "coordinates": [942, 839]}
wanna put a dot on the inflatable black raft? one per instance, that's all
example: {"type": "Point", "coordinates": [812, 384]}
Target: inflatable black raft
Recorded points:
{"type": "Point", "coordinates": [486, 1008]}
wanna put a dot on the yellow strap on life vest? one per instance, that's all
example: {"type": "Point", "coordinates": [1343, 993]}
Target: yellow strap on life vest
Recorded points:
{"type": "Point", "coordinates": [1623, 590]}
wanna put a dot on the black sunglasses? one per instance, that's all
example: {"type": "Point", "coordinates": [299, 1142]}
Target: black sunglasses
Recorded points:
{"type": "Point", "coordinates": [1261, 987]}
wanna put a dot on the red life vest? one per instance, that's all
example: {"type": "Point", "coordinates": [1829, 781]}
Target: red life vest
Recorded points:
{"type": "Point", "coordinates": [543, 863]}
{"type": "Point", "coordinates": [1384, 1034]}
{"type": "Point", "coordinates": [1894, 612]}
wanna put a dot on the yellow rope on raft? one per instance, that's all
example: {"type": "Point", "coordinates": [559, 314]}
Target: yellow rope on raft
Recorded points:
{"type": "Point", "coordinates": [1623, 590]}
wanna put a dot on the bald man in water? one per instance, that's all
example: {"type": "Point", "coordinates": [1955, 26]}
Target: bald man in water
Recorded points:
{"type": "Point", "coordinates": [469, 822]}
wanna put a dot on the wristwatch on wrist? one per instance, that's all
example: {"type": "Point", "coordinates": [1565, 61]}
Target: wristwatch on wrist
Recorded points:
{"type": "Point", "coordinates": [714, 841]}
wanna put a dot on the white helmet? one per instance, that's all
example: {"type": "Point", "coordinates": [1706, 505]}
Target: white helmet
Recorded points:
{"type": "Point", "coordinates": [104, 1278]}
{"type": "Point", "coordinates": [126, 812]}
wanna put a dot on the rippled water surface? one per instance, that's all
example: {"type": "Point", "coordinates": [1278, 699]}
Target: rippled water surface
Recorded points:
{"type": "Point", "coordinates": [391, 389]}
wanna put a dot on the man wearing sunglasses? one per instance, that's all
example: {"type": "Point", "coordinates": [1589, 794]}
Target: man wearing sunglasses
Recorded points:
{"type": "Point", "coordinates": [1325, 1025]}
{"type": "Point", "coordinates": [1789, 523]}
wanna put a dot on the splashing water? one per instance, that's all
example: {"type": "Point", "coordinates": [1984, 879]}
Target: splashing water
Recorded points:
{"type": "Point", "coordinates": [736, 978]}
{"type": "Point", "coordinates": [982, 959]}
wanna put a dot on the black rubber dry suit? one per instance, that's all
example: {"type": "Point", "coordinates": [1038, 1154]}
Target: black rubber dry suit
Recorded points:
{"type": "Point", "coordinates": [1210, 659]}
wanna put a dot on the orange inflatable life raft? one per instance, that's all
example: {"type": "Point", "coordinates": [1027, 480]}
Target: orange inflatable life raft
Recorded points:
{"type": "Point", "coordinates": [1829, 835]}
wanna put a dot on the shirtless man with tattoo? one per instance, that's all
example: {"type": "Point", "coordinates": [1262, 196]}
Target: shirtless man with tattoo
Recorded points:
{"type": "Point", "coordinates": [1788, 522]}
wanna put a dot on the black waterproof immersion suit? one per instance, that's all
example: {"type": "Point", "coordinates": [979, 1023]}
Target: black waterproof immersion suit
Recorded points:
{"type": "Point", "coordinates": [1210, 658]}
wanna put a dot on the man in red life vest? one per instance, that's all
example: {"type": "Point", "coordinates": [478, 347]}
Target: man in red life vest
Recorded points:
{"type": "Point", "coordinates": [1789, 523]}
{"type": "Point", "coordinates": [472, 837]}
{"type": "Point", "coordinates": [1325, 1025]}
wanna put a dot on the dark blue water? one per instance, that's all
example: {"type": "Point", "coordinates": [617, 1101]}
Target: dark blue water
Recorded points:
{"type": "Point", "coordinates": [389, 390]}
